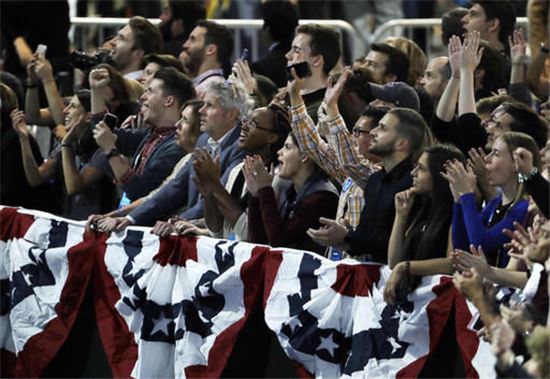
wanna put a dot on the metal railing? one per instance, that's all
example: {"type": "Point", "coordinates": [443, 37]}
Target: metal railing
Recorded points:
{"type": "Point", "coordinates": [408, 25]}
{"type": "Point", "coordinates": [235, 25]}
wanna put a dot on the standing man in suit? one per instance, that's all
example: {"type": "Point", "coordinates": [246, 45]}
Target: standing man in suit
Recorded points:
{"type": "Point", "coordinates": [154, 149]}
{"type": "Point", "coordinates": [206, 54]}
{"type": "Point", "coordinates": [224, 103]}
{"type": "Point", "coordinates": [280, 21]}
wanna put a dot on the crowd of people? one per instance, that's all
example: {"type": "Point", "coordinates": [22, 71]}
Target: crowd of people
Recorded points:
{"type": "Point", "coordinates": [432, 165]}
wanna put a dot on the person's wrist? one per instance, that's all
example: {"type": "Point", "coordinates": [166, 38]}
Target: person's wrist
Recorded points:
{"type": "Point", "coordinates": [544, 49]}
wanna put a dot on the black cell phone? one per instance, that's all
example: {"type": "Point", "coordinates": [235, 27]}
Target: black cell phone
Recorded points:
{"type": "Point", "coordinates": [302, 70]}
{"type": "Point", "coordinates": [111, 120]}
{"type": "Point", "coordinates": [244, 54]}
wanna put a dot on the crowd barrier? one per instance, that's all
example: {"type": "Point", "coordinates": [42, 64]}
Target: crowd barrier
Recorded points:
{"type": "Point", "coordinates": [192, 307]}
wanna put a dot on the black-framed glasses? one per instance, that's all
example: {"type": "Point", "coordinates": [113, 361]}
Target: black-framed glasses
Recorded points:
{"type": "Point", "coordinates": [253, 125]}
{"type": "Point", "coordinates": [357, 131]}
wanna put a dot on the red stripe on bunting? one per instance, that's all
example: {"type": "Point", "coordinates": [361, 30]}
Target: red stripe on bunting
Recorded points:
{"type": "Point", "coordinates": [118, 341]}
{"type": "Point", "coordinates": [40, 349]}
{"type": "Point", "coordinates": [251, 271]}
{"type": "Point", "coordinates": [438, 314]}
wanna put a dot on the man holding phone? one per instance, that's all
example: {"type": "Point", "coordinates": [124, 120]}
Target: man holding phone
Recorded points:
{"type": "Point", "coordinates": [314, 52]}
{"type": "Point", "coordinates": [154, 149]}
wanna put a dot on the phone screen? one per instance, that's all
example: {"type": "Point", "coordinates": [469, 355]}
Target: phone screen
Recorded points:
{"type": "Point", "coordinates": [111, 120]}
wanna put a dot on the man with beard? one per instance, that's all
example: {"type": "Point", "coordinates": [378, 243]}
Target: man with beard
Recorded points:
{"type": "Point", "coordinates": [398, 138]}
{"type": "Point", "coordinates": [206, 54]}
{"type": "Point", "coordinates": [177, 21]}
{"type": "Point", "coordinates": [132, 43]}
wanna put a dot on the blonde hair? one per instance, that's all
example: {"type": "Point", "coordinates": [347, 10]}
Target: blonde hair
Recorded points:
{"type": "Point", "coordinates": [417, 59]}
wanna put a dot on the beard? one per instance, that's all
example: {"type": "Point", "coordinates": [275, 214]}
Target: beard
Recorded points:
{"type": "Point", "coordinates": [194, 61]}
{"type": "Point", "coordinates": [382, 149]}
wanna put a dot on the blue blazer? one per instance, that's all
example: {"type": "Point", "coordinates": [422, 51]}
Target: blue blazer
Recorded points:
{"type": "Point", "coordinates": [182, 190]}
{"type": "Point", "coordinates": [158, 166]}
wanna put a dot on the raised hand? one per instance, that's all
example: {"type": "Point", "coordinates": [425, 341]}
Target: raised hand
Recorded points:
{"type": "Point", "coordinates": [99, 78]}
{"type": "Point", "coordinates": [43, 69]}
{"type": "Point", "coordinates": [19, 123]}
{"type": "Point", "coordinates": [334, 90]}
{"type": "Point", "coordinates": [256, 175]}
{"type": "Point", "coordinates": [523, 160]}
{"type": "Point", "coordinates": [31, 67]}
{"type": "Point", "coordinates": [241, 71]}
{"type": "Point", "coordinates": [294, 88]}
{"type": "Point", "coordinates": [454, 48]}
{"type": "Point", "coordinates": [461, 179]}
{"type": "Point", "coordinates": [518, 47]}
{"type": "Point", "coordinates": [470, 54]}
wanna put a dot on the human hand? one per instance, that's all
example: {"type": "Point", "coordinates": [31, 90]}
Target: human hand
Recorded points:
{"type": "Point", "coordinates": [294, 88]}
{"type": "Point", "coordinates": [91, 222]}
{"type": "Point", "coordinates": [332, 233]}
{"type": "Point", "coordinates": [470, 54]}
{"type": "Point", "coordinates": [74, 129]}
{"type": "Point", "coordinates": [461, 179]}
{"type": "Point", "coordinates": [241, 72]}
{"type": "Point", "coordinates": [186, 228]}
{"type": "Point", "coordinates": [43, 69]}
{"type": "Point", "coordinates": [403, 202]}
{"type": "Point", "coordinates": [468, 283]}
{"type": "Point", "coordinates": [99, 78]}
{"type": "Point", "coordinates": [334, 91]}
{"type": "Point", "coordinates": [109, 224]}
{"type": "Point", "coordinates": [104, 137]}
{"type": "Point", "coordinates": [19, 123]}
{"type": "Point", "coordinates": [31, 67]}
{"type": "Point", "coordinates": [133, 122]}
{"type": "Point", "coordinates": [256, 175]}
{"type": "Point", "coordinates": [163, 229]}
{"type": "Point", "coordinates": [527, 245]}
{"type": "Point", "coordinates": [523, 160]}
{"type": "Point", "coordinates": [517, 47]}
{"type": "Point", "coordinates": [390, 289]}
{"type": "Point", "coordinates": [454, 48]}
{"type": "Point", "coordinates": [463, 261]}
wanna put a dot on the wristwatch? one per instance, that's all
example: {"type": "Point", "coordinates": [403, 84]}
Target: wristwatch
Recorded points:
{"type": "Point", "coordinates": [544, 49]}
{"type": "Point", "coordinates": [525, 177]}
{"type": "Point", "coordinates": [113, 153]}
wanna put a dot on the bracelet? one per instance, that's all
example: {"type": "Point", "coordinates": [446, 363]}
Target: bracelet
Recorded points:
{"type": "Point", "coordinates": [407, 267]}
{"type": "Point", "coordinates": [522, 178]}
{"type": "Point", "coordinates": [112, 153]}
{"type": "Point", "coordinates": [544, 49]}
{"type": "Point", "coordinates": [66, 145]}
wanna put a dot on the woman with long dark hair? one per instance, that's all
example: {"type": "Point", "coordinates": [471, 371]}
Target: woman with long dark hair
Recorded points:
{"type": "Point", "coordinates": [420, 239]}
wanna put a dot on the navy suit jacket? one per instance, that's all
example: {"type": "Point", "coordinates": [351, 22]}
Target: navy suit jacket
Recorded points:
{"type": "Point", "coordinates": [182, 189]}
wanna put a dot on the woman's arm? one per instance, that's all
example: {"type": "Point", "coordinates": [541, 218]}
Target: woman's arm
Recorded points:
{"type": "Point", "coordinates": [56, 105]}
{"type": "Point", "coordinates": [539, 86]}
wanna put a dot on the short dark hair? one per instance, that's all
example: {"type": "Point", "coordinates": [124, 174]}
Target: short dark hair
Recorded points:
{"type": "Point", "coordinates": [189, 11]}
{"type": "Point", "coordinates": [163, 60]}
{"type": "Point", "coordinates": [397, 63]}
{"type": "Point", "coordinates": [176, 84]}
{"type": "Point", "coordinates": [489, 104]}
{"type": "Point", "coordinates": [220, 36]}
{"type": "Point", "coordinates": [504, 11]}
{"type": "Point", "coordinates": [451, 24]}
{"type": "Point", "coordinates": [376, 113]}
{"type": "Point", "coordinates": [147, 36]}
{"type": "Point", "coordinates": [280, 19]}
{"type": "Point", "coordinates": [358, 83]}
{"type": "Point", "coordinates": [325, 41]}
{"type": "Point", "coordinates": [526, 121]}
{"type": "Point", "coordinates": [412, 127]}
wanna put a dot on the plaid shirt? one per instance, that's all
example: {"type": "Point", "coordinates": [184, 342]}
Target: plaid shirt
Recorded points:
{"type": "Point", "coordinates": [326, 156]}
